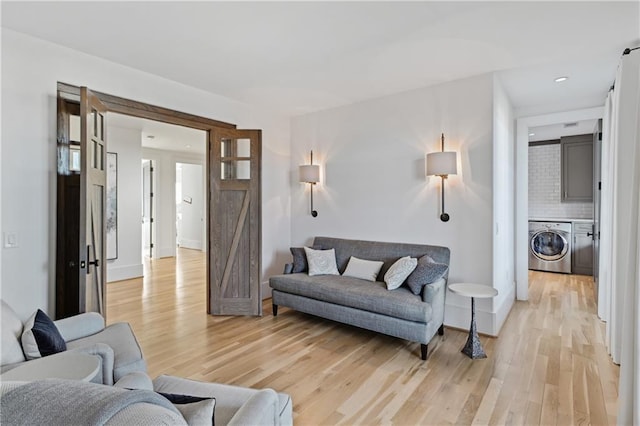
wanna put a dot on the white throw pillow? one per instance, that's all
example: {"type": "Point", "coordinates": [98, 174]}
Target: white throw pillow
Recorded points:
{"type": "Point", "coordinates": [399, 272]}
{"type": "Point", "coordinates": [321, 262]}
{"type": "Point", "coordinates": [198, 413]}
{"type": "Point", "coordinates": [363, 269]}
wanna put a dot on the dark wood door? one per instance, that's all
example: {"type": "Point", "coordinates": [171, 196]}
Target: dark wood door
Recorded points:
{"type": "Point", "coordinates": [81, 202]}
{"type": "Point", "coordinates": [597, 165]}
{"type": "Point", "coordinates": [234, 222]}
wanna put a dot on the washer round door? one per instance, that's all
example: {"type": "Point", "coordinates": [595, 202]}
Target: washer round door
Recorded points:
{"type": "Point", "coordinates": [549, 245]}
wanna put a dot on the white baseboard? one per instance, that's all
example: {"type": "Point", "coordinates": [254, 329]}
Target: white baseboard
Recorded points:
{"type": "Point", "coordinates": [503, 310]}
{"type": "Point", "coordinates": [458, 314]}
{"type": "Point", "coordinates": [266, 290]}
{"type": "Point", "coordinates": [119, 273]}
{"type": "Point", "coordinates": [460, 317]}
{"type": "Point", "coordinates": [191, 244]}
{"type": "Point", "coordinates": [164, 252]}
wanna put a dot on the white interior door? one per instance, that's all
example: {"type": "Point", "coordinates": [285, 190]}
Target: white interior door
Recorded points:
{"type": "Point", "coordinates": [147, 208]}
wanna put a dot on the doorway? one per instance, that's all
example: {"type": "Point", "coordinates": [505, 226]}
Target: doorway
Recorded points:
{"type": "Point", "coordinates": [223, 184]}
{"type": "Point", "coordinates": [524, 128]}
{"type": "Point", "coordinates": [147, 209]}
{"type": "Point", "coordinates": [190, 214]}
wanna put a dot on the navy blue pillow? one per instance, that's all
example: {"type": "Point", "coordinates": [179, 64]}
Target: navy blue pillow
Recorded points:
{"type": "Point", "coordinates": [41, 337]}
{"type": "Point", "coordinates": [182, 399]}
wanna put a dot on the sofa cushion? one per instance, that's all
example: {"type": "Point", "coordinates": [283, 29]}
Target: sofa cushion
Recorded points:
{"type": "Point", "coordinates": [399, 272]}
{"type": "Point", "coordinates": [11, 348]}
{"type": "Point", "coordinates": [363, 269]}
{"type": "Point", "coordinates": [321, 262]}
{"type": "Point", "coordinates": [428, 271]}
{"type": "Point", "coordinates": [41, 337]}
{"type": "Point", "coordinates": [356, 293]}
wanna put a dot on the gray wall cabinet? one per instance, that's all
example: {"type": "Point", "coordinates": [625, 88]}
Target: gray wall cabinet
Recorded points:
{"type": "Point", "coordinates": [577, 168]}
{"type": "Point", "coordinates": [582, 254]}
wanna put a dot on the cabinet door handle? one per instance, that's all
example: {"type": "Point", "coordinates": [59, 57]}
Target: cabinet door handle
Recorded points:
{"type": "Point", "coordinates": [589, 234]}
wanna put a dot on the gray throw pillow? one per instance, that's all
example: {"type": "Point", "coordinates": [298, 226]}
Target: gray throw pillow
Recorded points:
{"type": "Point", "coordinates": [428, 271]}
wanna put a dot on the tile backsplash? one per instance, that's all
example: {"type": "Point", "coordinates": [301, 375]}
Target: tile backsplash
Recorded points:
{"type": "Point", "coordinates": [544, 187]}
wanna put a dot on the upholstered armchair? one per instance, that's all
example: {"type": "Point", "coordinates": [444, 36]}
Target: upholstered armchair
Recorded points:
{"type": "Point", "coordinates": [115, 345]}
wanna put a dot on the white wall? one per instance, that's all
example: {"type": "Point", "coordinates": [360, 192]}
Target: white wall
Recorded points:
{"type": "Point", "coordinates": [126, 143]}
{"type": "Point", "coordinates": [544, 187]}
{"type": "Point", "coordinates": [503, 204]}
{"type": "Point", "coordinates": [190, 228]}
{"type": "Point", "coordinates": [374, 184]}
{"type": "Point", "coordinates": [30, 70]}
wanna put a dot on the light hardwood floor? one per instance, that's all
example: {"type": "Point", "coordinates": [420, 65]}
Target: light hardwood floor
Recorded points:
{"type": "Point", "coordinates": [548, 366]}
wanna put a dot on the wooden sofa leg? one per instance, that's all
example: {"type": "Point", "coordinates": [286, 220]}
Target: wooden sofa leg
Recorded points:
{"type": "Point", "coordinates": [423, 350]}
{"type": "Point", "coordinates": [275, 309]}
{"type": "Point", "coordinates": [441, 330]}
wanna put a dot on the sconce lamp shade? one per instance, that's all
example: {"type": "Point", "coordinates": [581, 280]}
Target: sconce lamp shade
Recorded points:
{"type": "Point", "coordinates": [309, 173]}
{"type": "Point", "coordinates": [442, 164]}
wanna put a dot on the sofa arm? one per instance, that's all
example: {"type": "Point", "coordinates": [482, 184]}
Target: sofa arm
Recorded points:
{"type": "Point", "coordinates": [105, 353]}
{"type": "Point", "coordinates": [135, 380]}
{"type": "Point", "coordinates": [434, 295]}
{"type": "Point", "coordinates": [79, 326]}
{"type": "Point", "coordinates": [260, 409]}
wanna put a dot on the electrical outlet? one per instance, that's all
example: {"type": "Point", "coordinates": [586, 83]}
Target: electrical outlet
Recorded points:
{"type": "Point", "coordinates": [10, 240]}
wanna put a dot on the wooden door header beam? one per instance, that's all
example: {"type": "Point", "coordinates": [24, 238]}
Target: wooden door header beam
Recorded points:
{"type": "Point", "coordinates": [144, 110]}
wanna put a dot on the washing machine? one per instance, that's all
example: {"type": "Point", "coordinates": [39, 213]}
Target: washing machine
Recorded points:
{"type": "Point", "coordinates": [550, 246]}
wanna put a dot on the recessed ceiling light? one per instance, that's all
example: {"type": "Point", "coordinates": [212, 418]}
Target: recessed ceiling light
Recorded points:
{"type": "Point", "coordinates": [561, 79]}
{"type": "Point", "coordinates": [532, 134]}
{"type": "Point", "coordinates": [150, 137]}
{"type": "Point", "coordinates": [188, 146]}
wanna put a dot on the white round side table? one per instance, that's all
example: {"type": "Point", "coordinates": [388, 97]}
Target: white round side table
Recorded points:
{"type": "Point", "coordinates": [72, 366]}
{"type": "Point", "coordinates": [473, 347]}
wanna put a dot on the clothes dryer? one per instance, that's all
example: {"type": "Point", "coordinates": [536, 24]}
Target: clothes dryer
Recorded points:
{"type": "Point", "coordinates": [550, 246]}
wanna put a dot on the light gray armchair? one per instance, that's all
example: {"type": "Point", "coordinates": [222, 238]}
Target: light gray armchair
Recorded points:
{"type": "Point", "coordinates": [116, 344]}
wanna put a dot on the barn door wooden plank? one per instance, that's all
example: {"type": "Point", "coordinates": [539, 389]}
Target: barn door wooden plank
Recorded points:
{"type": "Point", "coordinates": [235, 222]}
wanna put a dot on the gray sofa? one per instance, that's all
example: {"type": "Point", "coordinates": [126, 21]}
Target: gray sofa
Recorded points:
{"type": "Point", "coordinates": [364, 304]}
{"type": "Point", "coordinates": [134, 401]}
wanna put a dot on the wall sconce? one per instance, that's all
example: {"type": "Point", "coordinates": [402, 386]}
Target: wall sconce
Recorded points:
{"type": "Point", "coordinates": [310, 174]}
{"type": "Point", "coordinates": [442, 164]}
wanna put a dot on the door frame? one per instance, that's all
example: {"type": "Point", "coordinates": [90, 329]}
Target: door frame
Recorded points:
{"type": "Point", "coordinates": [521, 231]}
{"type": "Point", "coordinates": [138, 109]}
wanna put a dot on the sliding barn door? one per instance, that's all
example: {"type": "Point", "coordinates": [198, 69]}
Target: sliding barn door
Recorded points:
{"type": "Point", "coordinates": [234, 222]}
{"type": "Point", "coordinates": [92, 202]}
{"type": "Point", "coordinates": [80, 198]}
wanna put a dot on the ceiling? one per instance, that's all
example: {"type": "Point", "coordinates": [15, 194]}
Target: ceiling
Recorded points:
{"type": "Point", "coordinates": [163, 136]}
{"type": "Point", "coordinates": [556, 131]}
{"type": "Point", "coordinates": [300, 57]}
